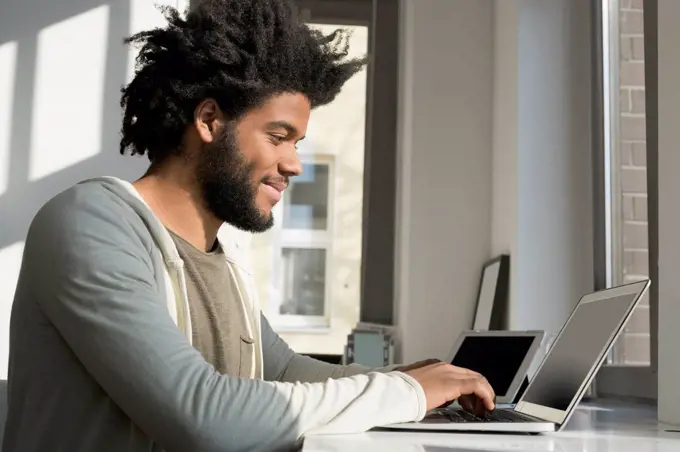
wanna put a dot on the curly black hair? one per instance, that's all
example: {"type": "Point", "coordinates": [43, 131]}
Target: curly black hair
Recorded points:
{"type": "Point", "coordinates": [238, 52]}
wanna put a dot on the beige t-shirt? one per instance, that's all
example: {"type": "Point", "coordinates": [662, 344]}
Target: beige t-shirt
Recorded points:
{"type": "Point", "coordinates": [218, 318]}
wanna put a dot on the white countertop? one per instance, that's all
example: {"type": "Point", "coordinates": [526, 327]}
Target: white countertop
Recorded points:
{"type": "Point", "coordinates": [593, 428]}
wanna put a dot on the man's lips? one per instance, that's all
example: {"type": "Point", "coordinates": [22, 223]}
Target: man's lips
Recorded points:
{"type": "Point", "coordinates": [277, 185]}
{"type": "Point", "coordinates": [274, 188]}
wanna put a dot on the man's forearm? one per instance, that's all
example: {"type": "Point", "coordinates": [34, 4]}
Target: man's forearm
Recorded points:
{"type": "Point", "coordinates": [306, 369]}
{"type": "Point", "coordinates": [281, 363]}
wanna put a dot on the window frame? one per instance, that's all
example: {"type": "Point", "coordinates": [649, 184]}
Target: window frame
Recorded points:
{"type": "Point", "coordinates": [337, 12]}
{"type": "Point", "coordinates": [379, 230]}
{"type": "Point", "coordinates": [382, 17]}
{"type": "Point", "coordinates": [615, 380]}
{"type": "Point", "coordinates": [304, 239]}
{"type": "Point", "coordinates": [288, 322]}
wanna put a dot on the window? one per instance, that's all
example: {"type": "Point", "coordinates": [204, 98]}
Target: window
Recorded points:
{"type": "Point", "coordinates": [305, 256]}
{"type": "Point", "coordinates": [304, 282]}
{"type": "Point", "coordinates": [305, 206]}
{"type": "Point", "coordinates": [308, 266]}
{"type": "Point", "coordinates": [630, 368]}
{"type": "Point", "coordinates": [629, 241]}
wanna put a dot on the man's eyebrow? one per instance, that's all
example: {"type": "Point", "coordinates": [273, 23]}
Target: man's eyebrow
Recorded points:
{"type": "Point", "coordinates": [290, 128]}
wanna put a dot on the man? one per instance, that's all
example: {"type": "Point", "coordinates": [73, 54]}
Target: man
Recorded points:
{"type": "Point", "coordinates": [134, 328]}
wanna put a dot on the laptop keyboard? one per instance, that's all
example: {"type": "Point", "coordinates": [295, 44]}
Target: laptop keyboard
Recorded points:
{"type": "Point", "coordinates": [459, 415]}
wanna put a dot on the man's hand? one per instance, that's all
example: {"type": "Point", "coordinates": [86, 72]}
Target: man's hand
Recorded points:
{"type": "Point", "coordinates": [443, 383]}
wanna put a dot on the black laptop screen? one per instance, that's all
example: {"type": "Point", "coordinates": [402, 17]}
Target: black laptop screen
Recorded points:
{"type": "Point", "coordinates": [498, 358]}
{"type": "Point", "coordinates": [576, 350]}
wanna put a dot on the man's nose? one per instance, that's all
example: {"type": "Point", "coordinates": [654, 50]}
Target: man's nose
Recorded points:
{"type": "Point", "coordinates": [291, 166]}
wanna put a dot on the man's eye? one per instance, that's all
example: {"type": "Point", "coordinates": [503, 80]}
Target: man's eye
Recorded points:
{"type": "Point", "coordinates": [277, 139]}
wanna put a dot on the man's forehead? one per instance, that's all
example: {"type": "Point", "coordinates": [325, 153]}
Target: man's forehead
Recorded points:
{"type": "Point", "coordinates": [285, 111]}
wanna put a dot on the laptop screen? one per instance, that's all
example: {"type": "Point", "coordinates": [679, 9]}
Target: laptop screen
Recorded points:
{"type": "Point", "coordinates": [496, 357]}
{"type": "Point", "coordinates": [576, 350]}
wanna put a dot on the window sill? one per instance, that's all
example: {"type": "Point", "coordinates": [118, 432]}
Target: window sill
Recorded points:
{"type": "Point", "coordinates": [302, 329]}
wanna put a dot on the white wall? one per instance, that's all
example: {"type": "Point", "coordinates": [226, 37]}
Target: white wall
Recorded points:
{"type": "Point", "coordinates": [505, 135]}
{"type": "Point", "coordinates": [542, 209]}
{"type": "Point", "coordinates": [554, 257]}
{"type": "Point", "coordinates": [444, 181]}
{"type": "Point", "coordinates": [495, 157]}
{"type": "Point", "coordinates": [669, 210]}
{"type": "Point", "coordinates": [62, 64]}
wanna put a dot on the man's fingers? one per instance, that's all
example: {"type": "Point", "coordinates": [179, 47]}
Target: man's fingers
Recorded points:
{"type": "Point", "coordinates": [485, 406]}
{"type": "Point", "coordinates": [466, 404]}
{"type": "Point", "coordinates": [473, 404]}
{"type": "Point", "coordinates": [492, 403]}
{"type": "Point", "coordinates": [486, 393]}
{"type": "Point", "coordinates": [443, 382]}
{"type": "Point", "coordinates": [481, 389]}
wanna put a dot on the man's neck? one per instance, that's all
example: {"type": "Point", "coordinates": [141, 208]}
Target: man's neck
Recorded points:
{"type": "Point", "coordinates": [176, 201]}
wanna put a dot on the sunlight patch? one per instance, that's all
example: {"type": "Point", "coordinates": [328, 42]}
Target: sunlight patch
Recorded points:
{"type": "Point", "coordinates": [10, 263]}
{"type": "Point", "coordinates": [69, 92]}
{"type": "Point", "coordinates": [8, 61]}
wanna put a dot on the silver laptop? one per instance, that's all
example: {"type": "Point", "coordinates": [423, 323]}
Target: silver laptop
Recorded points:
{"type": "Point", "coordinates": [503, 357]}
{"type": "Point", "coordinates": [564, 375]}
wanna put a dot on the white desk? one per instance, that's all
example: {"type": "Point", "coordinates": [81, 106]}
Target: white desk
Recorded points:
{"type": "Point", "coordinates": [593, 428]}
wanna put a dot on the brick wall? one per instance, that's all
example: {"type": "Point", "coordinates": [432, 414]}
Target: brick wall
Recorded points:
{"type": "Point", "coordinates": [634, 347]}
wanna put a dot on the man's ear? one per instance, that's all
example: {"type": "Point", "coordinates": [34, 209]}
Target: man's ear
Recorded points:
{"type": "Point", "coordinates": [208, 119]}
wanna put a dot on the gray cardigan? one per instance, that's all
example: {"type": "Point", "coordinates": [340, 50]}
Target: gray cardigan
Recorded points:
{"type": "Point", "coordinates": [96, 362]}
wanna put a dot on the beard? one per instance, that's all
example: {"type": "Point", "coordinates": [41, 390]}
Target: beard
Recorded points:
{"type": "Point", "coordinates": [225, 179]}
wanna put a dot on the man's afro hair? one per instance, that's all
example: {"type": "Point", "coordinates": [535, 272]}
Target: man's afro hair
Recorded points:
{"type": "Point", "coordinates": [238, 52]}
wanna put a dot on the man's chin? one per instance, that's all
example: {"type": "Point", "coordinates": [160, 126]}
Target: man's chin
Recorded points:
{"type": "Point", "coordinates": [267, 216]}
{"type": "Point", "coordinates": [267, 223]}
{"type": "Point", "coordinates": [263, 223]}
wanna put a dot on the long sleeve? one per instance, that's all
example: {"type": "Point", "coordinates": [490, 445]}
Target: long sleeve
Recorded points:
{"type": "Point", "coordinates": [281, 363]}
{"type": "Point", "coordinates": [99, 290]}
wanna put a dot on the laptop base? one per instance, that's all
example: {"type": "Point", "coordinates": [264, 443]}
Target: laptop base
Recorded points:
{"type": "Point", "coordinates": [485, 427]}
{"type": "Point", "coordinates": [501, 420]}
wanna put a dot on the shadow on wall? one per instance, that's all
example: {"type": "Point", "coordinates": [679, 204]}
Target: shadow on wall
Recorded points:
{"type": "Point", "coordinates": [62, 65]}
{"type": "Point", "coordinates": [41, 80]}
